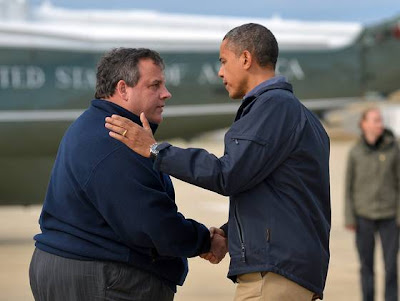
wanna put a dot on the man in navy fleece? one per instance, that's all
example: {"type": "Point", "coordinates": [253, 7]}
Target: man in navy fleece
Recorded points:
{"type": "Point", "coordinates": [110, 229]}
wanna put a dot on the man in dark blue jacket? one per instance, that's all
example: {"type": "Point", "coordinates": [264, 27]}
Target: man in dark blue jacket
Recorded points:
{"type": "Point", "coordinates": [275, 169]}
{"type": "Point", "coordinates": [110, 226]}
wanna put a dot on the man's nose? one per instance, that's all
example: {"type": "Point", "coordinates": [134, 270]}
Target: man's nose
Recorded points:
{"type": "Point", "coordinates": [220, 72]}
{"type": "Point", "coordinates": [165, 94]}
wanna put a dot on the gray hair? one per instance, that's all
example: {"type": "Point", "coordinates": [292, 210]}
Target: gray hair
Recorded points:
{"type": "Point", "coordinates": [256, 39]}
{"type": "Point", "coordinates": [121, 64]}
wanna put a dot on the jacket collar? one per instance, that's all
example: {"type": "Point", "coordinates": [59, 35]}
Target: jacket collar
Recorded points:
{"type": "Point", "coordinates": [113, 108]}
{"type": "Point", "coordinates": [386, 139]}
{"type": "Point", "coordinates": [277, 82]}
{"type": "Point", "coordinates": [266, 85]}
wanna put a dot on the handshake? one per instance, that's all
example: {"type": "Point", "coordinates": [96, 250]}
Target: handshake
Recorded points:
{"type": "Point", "coordinates": [219, 246]}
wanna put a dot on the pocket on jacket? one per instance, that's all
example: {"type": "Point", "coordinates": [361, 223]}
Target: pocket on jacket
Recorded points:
{"type": "Point", "coordinates": [253, 138]}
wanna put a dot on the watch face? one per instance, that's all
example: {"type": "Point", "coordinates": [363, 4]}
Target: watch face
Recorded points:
{"type": "Point", "coordinates": [153, 150]}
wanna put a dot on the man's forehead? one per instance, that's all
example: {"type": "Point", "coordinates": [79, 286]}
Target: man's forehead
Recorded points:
{"type": "Point", "coordinates": [374, 111]}
{"type": "Point", "coordinates": [227, 48]}
{"type": "Point", "coordinates": [372, 114]}
{"type": "Point", "coordinates": [149, 63]}
{"type": "Point", "coordinates": [223, 45]}
{"type": "Point", "coordinates": [150, 67]}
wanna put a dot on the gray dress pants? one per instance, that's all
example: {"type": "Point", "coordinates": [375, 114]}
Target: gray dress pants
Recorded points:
{"type": "Point", "coordinates": [55, 278]}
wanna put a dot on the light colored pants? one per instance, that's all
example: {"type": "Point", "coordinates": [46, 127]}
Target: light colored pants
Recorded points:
{"type": "Point", "coordinates": [269, 287]}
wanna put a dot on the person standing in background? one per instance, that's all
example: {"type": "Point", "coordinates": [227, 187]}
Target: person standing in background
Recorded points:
{"type": "Point", "coordinates": [372, 200]}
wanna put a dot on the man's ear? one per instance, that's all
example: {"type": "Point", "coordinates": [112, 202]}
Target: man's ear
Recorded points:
{"type": "Point", "coordinates": [121, 90]}
{"type": "Point", "coordinates": [246, 59]}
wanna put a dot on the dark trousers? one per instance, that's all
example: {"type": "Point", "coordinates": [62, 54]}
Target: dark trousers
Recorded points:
{"type": "Point", "coordinates": [55, 278]}
{"type": "Point", "coordinates": [365, 240]}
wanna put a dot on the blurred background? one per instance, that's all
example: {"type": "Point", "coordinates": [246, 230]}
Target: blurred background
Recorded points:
{"type": "Point", "coordinates": [339, 10]}
{"type": "Point", "coordinates": [340, 58]}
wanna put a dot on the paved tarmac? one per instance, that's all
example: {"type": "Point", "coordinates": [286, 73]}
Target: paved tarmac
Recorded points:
{"type": "Point", "coordinates": [205, 281]}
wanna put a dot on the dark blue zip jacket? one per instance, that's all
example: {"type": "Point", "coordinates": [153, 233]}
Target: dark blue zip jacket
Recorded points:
{"type": "Point", "coordinates": [275, 169]}
{"type": "Point", "coordinates": [105, 202]}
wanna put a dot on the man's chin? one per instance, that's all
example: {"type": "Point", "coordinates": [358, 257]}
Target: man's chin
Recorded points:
{"type": "Point", "coordinates": [235, 96]}
{"type": "Point", "coordinates": [156, 120]}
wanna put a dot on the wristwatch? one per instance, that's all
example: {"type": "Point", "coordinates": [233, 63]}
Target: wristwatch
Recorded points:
{"type": "Point", "coordinates": [154, 151]}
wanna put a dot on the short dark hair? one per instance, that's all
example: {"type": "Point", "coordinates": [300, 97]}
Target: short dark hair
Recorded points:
{"type": "Point", "coordinates": [121, 64]}
{"type": "Point", "coordinates": [256, 39]}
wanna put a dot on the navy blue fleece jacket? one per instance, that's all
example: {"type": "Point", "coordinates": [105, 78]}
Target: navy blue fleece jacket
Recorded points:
{"type": "Point", "coordinates": [105, 202]}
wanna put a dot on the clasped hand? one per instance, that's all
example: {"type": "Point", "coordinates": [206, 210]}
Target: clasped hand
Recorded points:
{"type": "Point", "coordinates": [219, 246]}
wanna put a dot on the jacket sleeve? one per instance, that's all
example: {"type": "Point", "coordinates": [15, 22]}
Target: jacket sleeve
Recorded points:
{"type": "Point", "coordinates": [254, 146]}
{"type": "Point", "coordinates": [225, 228]}
{"type": "Point", "coordinates": [349, 216]}
{"type": "Point", "coordinates": [131, 197]}
{"type": "Point", "coordinates": [398, 184]}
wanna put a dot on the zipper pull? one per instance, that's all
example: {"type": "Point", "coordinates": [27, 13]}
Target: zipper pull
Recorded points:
{"type": "Point", "coordinates": [243, 253]}
{"type": "Point", "coordinates": [236, 141]}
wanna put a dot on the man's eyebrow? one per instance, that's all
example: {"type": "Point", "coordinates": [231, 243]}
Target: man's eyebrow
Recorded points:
{"type": "Point", "coordinates": [156, 81]}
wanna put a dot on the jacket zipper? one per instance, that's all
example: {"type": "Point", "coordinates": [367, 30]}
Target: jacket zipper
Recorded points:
{"type": "Point", "coordinates": [241, 236]}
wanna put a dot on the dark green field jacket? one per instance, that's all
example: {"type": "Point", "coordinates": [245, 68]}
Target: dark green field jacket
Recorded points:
{"type": "Point", "coordinates": [373, 180]}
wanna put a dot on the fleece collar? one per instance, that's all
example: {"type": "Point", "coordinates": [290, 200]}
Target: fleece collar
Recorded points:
{"type": "Point", "coordinates": [113, 108]}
